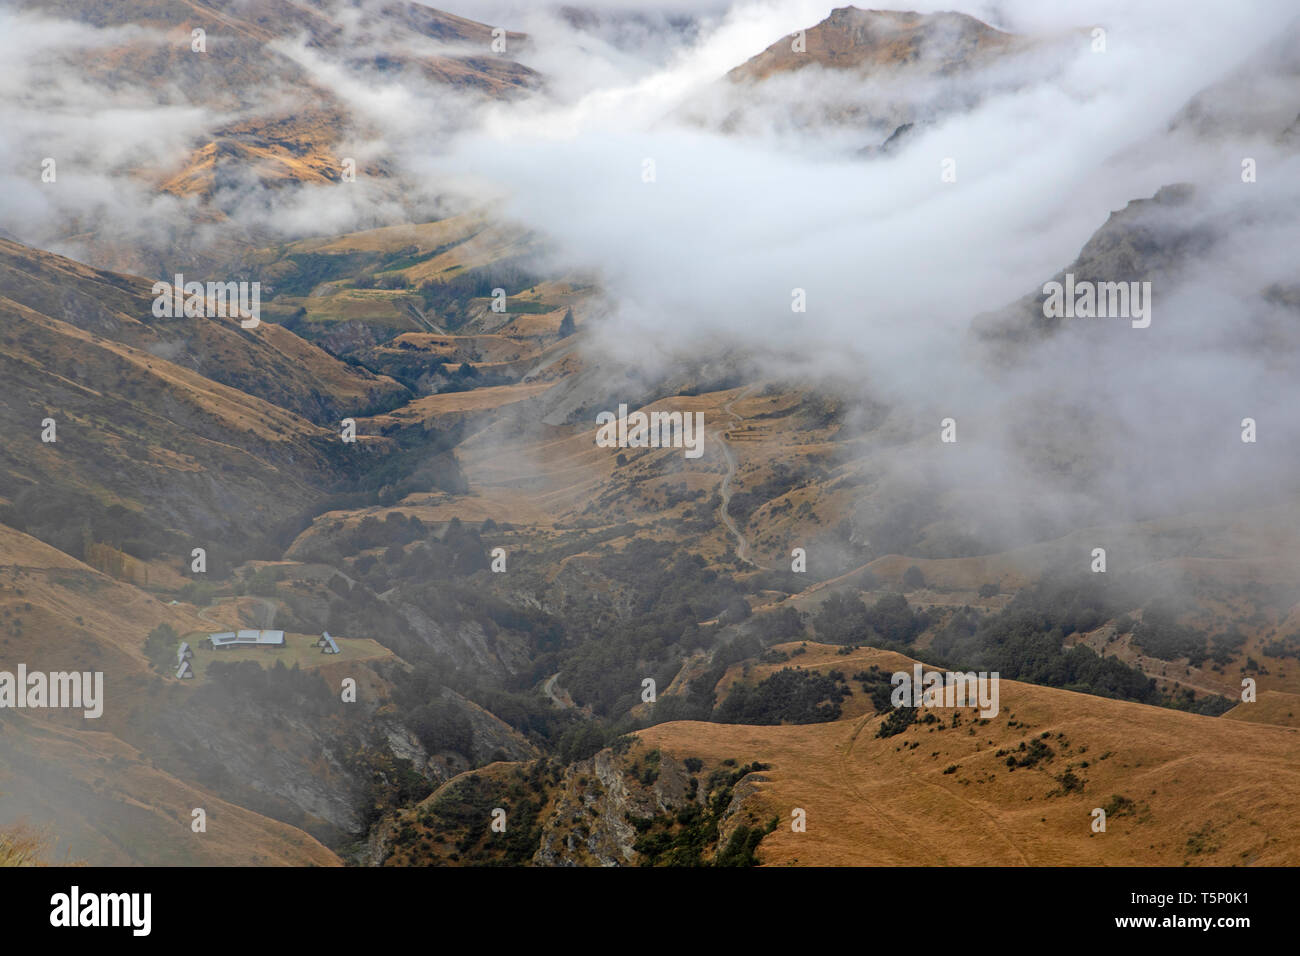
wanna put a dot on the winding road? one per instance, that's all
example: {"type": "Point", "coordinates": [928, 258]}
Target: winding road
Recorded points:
{"type": "Point", "coordinates": [742, 543]}
{"type": "Point", "coordinates": [549, 690]}
{"type": "Point", "coordinates": [202, 614]}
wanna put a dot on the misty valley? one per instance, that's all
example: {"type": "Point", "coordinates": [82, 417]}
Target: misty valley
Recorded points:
{"type": "Point", "coordinates": [647, 434]}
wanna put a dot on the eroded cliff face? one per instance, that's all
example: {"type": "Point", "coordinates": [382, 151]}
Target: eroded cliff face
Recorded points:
{"type": "Point", "coordinates": [628, 805]}
{"type": "Point", "coordinates": [605, 804]}
{"type": "Point", "coordinates": [590, 823]}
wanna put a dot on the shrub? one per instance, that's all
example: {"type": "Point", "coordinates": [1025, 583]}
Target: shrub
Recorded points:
{"type": "Point", "coordinates": [160, 647]}
{"type": "Point", "coordinates": [789, 695]}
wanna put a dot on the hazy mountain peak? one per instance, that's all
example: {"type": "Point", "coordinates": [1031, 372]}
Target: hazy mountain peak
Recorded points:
{"type": "Point", "coordinates": [855, 39]}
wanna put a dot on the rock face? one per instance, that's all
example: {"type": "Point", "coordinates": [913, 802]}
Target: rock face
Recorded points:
{"type": "Point", "coordinates": [378, 844]}
{"type": "Point", "coordinates": [606, 841]}
{"type": "Point", "coordinates": [590, 824]}
{"type": "Point", "coordinates": [601, 799]}
{"type": "Point", "coordinates": [1147, 239]}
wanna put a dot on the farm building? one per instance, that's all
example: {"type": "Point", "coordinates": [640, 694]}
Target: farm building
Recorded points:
{"type": "Point", "coordinates": [327, 644]}
{"type": "Point", "coordinates": [183, 653]}
{"type": "Point", "coordinates": [185, 672]}
{"type": "Point", "coordinates": [247, 638]}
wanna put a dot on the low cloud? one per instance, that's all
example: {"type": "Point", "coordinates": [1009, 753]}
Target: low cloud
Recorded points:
{"type": "Point", "coordinates": [894, 262]}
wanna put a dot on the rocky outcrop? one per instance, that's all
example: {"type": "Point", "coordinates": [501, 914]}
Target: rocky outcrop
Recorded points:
{"type": "Point", "coordinates": [601, 797]}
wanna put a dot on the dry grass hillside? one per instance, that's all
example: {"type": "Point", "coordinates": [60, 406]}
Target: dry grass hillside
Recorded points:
{"type": "Point", "coordinates": [1179, 789]}
{"type": "Point", "coordinates": [113, 807]}
{"type": "Point", "coordinates": [474, 369]}
{"type": "Point", "coordinates": [265, 362]}
{"type": "Point", "coordinates": [109, 802]}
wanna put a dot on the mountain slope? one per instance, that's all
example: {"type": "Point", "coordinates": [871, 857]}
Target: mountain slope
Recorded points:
{"type": "Point", "coordinates": [864, 41]}
{"type": "Point", "coordinates": [110, 803]}
{"type": "Point", "coordinates": [267, 362]}
{"type": "Point", "coordinates": [878, 74]}
{"type": "Point", "coordinates": [1180, 788]}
